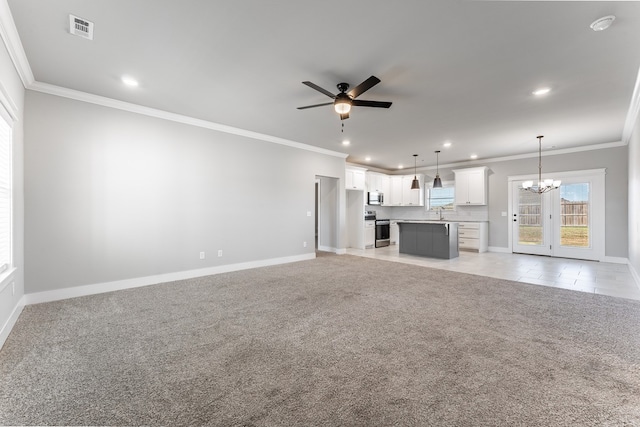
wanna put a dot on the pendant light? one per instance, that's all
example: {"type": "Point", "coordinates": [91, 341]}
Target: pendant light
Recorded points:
{"type": "Point", "coordinates": [547, 184]}
{"type": "Point", "coordinates": [415, 184]}
{"type": "Point", "coordinates": [437, 182]}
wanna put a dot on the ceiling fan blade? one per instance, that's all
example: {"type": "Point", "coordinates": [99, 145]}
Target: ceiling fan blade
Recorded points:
{"type": "Point", "coordinates": [319, 89]}
{"type": "Point", "coordinates": [344, 116]}
{"type": "Point", "coordinates": [377, 104]}
{"type": "Point", "coordinates": [363, 87]}
{"type": "Point", "coordinates": [313, 106]}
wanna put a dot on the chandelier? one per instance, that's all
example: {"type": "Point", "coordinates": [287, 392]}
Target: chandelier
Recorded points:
{"type": "Point", "coordinates": [543, 186]}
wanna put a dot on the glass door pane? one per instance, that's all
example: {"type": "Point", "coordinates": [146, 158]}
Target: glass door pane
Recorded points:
{"type": "Point", "coordinates": [531, 231]}
{"type": "Point", "coordinates": [530, 226]}
{"type": "Point", "coordinates": [574, 215]}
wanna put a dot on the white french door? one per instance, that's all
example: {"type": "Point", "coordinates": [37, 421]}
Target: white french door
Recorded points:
{"type": "Point", "coordinates": [567, 222]}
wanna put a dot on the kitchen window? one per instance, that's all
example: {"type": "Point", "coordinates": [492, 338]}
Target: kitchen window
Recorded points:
{"type": "Point", "coordinates": [441, 198]}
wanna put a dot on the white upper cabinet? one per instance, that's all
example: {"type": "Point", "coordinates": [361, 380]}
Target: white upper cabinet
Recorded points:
{"type": "Point", "coordinates": [395, 190]}
{"type": "Point", "coordinates": [471, 186]}
{"type": "Point", "coordinates": [378, 182]}
{"type": "Point", "coordinates": [412, 197]}
{"type": "Point", "coordinates": [354, 179]}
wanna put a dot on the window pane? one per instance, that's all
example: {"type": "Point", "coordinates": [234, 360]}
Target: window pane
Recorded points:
{"type": "Point", "coordinates": [441, 198]}
{"type": "Point", "coordinates": [574, 213]}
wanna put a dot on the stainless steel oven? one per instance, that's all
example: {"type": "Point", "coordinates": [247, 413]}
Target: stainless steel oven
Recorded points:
{"type": "Point", "coordinates": [383, 232]}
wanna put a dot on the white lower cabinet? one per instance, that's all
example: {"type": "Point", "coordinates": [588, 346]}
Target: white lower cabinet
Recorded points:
{"type": "Point", "coordinates": [369, 234]}
{"type": "Point", "coordinates": [394, 233]}
{"type": "Point", "coordinates": [473, 236]}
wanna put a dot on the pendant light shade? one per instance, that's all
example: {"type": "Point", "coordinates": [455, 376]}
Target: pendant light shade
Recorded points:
{"type": "Point", "coordinates": [415, 184]}
{"type": "Point", "coordinates": [437, 182]}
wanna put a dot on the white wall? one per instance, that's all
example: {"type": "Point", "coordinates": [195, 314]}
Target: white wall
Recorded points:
{"type": "Point", "coordinates": [13, 92]}
{"type": "Point", "coordinates": [634, 199]}
{"type": "Point", "coordinates": [113, 195]}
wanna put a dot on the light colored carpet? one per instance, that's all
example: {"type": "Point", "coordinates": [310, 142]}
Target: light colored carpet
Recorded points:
{"type": "Point", "coordinates": [336, 341]}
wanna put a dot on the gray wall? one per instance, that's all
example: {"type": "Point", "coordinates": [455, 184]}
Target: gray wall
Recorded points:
{"type": "Point", "coordinates": [14, 90]}
{"type": "Point", "coordinates": [113, 195]}
{"type": "Point", "coordinates": [634, 198]}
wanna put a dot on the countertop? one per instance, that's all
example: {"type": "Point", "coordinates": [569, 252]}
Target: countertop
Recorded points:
{"type": "Point", "coordinates": [435, 221]}
{"type": "Point", "coordinates": [425, 221]}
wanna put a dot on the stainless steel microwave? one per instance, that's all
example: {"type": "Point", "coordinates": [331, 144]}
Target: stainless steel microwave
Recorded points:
{"type": "Point", "coordinates": [375, 198]}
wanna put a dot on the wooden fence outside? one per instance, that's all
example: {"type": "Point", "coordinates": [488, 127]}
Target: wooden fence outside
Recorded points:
{"type": "Point", "coordinates": [572, 214]}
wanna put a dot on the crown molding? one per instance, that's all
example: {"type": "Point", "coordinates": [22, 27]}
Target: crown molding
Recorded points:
{"type": "Point", "coordinates": [11, 39]}
{"type": "Point", "coordinates": [179, 118]}
{"type": "Point", "coordinates": [483, 162]}
{"type": "Point", "coordinates": [632, 113]}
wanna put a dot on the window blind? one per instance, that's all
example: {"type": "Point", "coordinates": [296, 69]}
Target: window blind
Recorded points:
{"type": "Point", "coordinates": [5, 195]}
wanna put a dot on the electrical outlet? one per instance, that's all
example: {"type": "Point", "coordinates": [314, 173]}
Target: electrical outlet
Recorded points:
{"type": "Point", "coordinates": [219, 252]}
{"type": "Point", "coordinates": [201, 255]}
{"type": "Point", "coordinates": [304, 244]}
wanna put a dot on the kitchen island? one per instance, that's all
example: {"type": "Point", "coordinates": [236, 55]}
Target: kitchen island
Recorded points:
{"type": "Point", "coordinates": [437, 239]}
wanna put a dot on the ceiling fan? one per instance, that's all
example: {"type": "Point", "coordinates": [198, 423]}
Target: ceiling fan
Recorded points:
{"type": "Point", "coordinates": [345, 100]}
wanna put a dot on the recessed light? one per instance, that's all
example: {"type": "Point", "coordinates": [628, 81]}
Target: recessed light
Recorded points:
{"type": "Point", "coordinates": [129, 81]}
{"type": "Point", "coordinates": [346, 142]}
{"type": "Point", "coordinates": [400, 167]}
{"type": "Point", "coordinates": [447, 144]}
{"type": "Point", "coordinates": [602, 23]}
{"type": "Point", "coordinates": [474, 156]}
{"type": "Point", "coordinates": [541, 91]}
{"type": "Point", "coordinates": [368, 159]}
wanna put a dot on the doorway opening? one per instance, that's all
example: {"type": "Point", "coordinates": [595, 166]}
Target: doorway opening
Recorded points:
{"type": "Point", "coordinates": [326, 211]}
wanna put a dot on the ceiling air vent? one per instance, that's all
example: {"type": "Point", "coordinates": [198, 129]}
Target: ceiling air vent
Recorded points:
{"type": "Point", "coordinates": [80, 27]}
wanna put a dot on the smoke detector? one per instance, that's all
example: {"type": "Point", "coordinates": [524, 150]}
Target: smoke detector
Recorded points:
{"type": "Point", "coordinates": [80, 27]}
{"type": "Point", "coordinates": [602, 23]}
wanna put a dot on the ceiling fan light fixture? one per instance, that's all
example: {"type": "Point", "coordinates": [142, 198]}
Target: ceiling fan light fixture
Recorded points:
{"type": "Point", "coordinates": [342, 104]}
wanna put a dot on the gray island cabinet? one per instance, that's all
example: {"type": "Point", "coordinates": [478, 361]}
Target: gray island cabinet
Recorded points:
{"type": "Point", "coordinates": [431, 239]}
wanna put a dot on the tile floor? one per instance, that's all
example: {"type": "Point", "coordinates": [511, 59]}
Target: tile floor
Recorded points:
{"type": "Point", "coordinates": [584, 276]}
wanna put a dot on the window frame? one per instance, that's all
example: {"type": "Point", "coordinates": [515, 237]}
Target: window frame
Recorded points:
{"type": "Point", "coordinates": [7, 119]}
{"type": "Point", "coordinates": [445, 184]}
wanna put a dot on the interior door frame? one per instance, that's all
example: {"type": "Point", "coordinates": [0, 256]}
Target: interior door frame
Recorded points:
{"type": "Point", "coordinates": [597, 215]}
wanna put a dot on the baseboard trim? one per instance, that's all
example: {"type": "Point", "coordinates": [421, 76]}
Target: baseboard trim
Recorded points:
{"type": "Point", "coordinates": [499, 249]}
{"type": "Point", "coordinates": [99, 288]}
{"type": "Point", "coordinates": [334, 250]}
{"type": "Point", "coordinates": [11, 321]}
{"type": "Point", "coordinates": [615, 260]}
{"type": "Point", "coordinates": [635, 275]}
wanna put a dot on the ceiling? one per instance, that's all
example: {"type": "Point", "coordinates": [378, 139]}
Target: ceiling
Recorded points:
{"type": "Point", "coordinates": [457, 71]}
